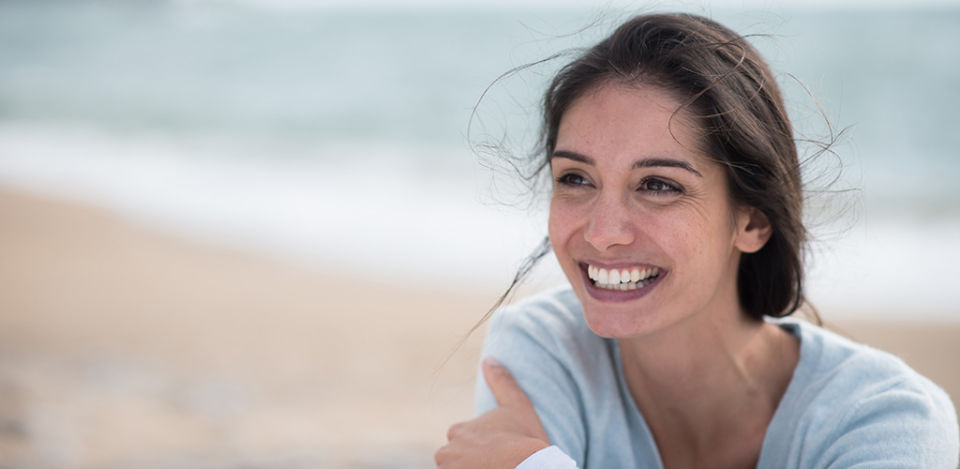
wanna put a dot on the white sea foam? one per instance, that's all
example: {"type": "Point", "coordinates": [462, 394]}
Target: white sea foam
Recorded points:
{"type": "Point", "coordinates": [368, 210]}
{"type": "Point", "coordinates": [889, 268]}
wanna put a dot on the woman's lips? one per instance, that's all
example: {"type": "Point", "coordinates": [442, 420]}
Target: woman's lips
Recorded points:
{"type": "Point", "coordinates": [620, 283]}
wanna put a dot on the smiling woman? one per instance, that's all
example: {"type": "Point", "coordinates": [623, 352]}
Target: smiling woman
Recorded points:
{"type": "Point", "coordinates": [676, 216]}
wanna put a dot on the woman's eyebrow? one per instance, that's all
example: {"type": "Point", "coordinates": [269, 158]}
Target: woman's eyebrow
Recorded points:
{"type": "Point", "coordinates": [665, 162]}
{"type": "Point", "coordinates": [644, 163]}
{"type": "Point", "coordinates": [572, 155]}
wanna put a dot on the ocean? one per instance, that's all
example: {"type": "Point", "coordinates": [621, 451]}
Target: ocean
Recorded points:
{"type": "Point", "coordinates": [355, 139]}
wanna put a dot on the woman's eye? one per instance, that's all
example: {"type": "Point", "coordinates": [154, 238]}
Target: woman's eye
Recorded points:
{"type": "Point", "coordinates": [658, 186]}
{"type": "Point", "coordinates": [572, 179]}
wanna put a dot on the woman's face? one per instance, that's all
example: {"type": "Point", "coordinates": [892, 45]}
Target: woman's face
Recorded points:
{"type": "Point", "coordinates": [640, 220]}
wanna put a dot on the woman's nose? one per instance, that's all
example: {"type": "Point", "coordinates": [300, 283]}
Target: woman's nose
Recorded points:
{"type": "Point", "coordinates": [609, 225]}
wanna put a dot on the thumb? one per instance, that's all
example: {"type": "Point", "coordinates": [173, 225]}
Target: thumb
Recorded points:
{"type": "Point", "coordinates": [504, 388]}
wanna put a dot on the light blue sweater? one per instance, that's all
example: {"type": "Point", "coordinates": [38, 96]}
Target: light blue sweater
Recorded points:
{"type": "Point", "coordinates": [847, 405]}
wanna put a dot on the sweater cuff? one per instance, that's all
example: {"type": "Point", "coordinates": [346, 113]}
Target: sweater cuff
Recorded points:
{"type": "Point", "coordinates": [550, 457]}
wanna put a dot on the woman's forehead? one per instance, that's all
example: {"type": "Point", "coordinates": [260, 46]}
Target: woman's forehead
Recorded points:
{"type": "Point", "coordinates": [617, 119]}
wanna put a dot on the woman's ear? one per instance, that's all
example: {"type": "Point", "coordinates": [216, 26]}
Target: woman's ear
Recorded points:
{"type": "Point", "coordinates": [753, 230]}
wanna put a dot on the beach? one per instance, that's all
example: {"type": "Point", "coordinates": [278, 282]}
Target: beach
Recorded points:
{"type": "Point", "coordinates": [122, 346]}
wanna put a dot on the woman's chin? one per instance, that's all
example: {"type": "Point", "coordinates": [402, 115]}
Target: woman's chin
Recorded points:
{"type": "Point", "coordinates": [619, 314]}
{"type": "Point", "coordinates": [619, 323]}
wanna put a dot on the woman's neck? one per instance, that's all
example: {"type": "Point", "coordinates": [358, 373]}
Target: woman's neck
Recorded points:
{"type": "Point", "coordinates": [708, 387]}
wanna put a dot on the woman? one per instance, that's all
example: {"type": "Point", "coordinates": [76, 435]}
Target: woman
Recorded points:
{"type": "Point", "coordinates": [676, 217]}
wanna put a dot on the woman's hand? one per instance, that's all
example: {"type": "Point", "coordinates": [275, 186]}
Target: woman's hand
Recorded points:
{"type": "Point", "coordinates": [500, 438]}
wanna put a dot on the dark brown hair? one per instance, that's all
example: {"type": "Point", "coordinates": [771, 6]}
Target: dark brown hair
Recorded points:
{"type": "Point", "coordinates": [726, 87]}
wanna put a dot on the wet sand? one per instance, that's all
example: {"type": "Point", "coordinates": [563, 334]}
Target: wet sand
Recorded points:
{"type": "Point", "coordinates": [124, 347]}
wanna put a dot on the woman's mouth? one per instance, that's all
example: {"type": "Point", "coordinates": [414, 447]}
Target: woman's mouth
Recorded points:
{"type": "Point", "coordinates": [620, 283]}
{"type": "Point", "coordinates": [622, 279]}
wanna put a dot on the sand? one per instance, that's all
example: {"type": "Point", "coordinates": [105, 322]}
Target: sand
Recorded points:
{"type": "Point", "coordinates": [124, 347]}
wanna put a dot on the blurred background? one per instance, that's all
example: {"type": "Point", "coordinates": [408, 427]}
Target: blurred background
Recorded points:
{"type": "Point", "coordinates": [255, 233]}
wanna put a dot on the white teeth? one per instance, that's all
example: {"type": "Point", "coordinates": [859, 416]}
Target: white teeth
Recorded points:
{"type": "Point", "coordinates": [626, 279]}
{"type": "Point", "coordinates": [614, 276]}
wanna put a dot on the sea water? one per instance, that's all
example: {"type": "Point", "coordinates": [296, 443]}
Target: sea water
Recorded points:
{"type": "Point", "coordinates": [356, 140]}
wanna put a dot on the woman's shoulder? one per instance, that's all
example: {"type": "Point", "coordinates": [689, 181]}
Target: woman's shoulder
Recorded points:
{"type": "Point", "coordinates": [851, 402]}
{"type": "Point", "coordinates": [835, 365]}
{"type": "Point", "coordinates": [551, 319]}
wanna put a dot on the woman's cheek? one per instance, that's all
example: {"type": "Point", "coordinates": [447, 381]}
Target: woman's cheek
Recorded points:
{"type": "Point", "coordinates": [553, 227]}
{"type": "Point", "coordinates": [562, 220]}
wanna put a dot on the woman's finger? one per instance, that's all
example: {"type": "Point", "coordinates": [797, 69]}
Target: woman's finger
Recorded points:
{"type": "Point", "coordinates": [455, 430]}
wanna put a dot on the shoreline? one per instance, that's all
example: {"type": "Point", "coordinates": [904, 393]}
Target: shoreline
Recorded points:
{"type": "Point", "coordinates": [121, 346]}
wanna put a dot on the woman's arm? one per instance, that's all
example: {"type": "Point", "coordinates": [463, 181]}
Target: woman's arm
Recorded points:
{"type": "Point", "coordinates": [501, 438]}
{"type": "Point", "coordinates": [541, 344]}
{"type": "Point", "coordinates": [538, 342]}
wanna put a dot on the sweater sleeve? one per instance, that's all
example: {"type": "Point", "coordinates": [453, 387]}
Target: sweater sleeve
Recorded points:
{"type": "Point", "coordinates": [528, 341]}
